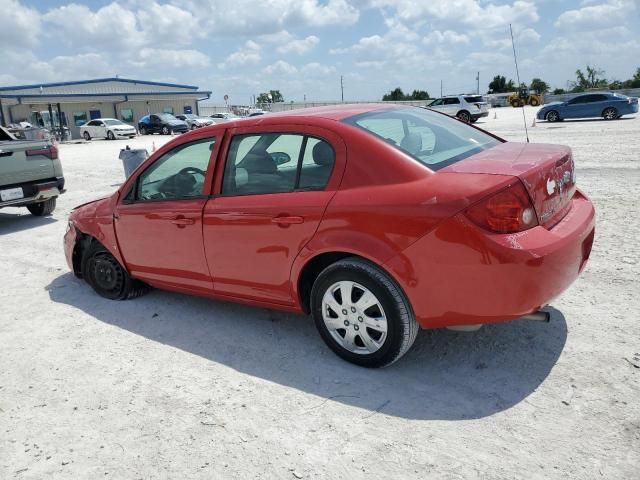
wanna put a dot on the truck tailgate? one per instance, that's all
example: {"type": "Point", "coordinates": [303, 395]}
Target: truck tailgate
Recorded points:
{"type": "Point", "coordinates": [26, 161]}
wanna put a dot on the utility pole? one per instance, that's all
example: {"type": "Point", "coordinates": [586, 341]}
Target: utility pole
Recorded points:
{"type": "Point", "coordinates": [342, 88]}
{"type": "Point", "coordinates": [478, 81]}
{"type": "Point", "coordinates": [440, 88]}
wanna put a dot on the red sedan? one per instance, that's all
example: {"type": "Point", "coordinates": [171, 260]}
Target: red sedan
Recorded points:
{"type": "Point", "coordinates": [377, 220]}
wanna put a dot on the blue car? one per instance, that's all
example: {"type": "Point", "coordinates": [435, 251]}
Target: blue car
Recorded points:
{"type": "Point", "coordinates": [606, 105]}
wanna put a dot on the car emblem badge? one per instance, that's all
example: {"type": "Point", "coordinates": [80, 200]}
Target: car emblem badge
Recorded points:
{"type": "Point", "coordinates": [551, 186]}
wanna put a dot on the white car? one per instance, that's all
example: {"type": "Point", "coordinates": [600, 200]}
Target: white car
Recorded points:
{"type": "Point", "coordinates": [108, 128]}
{"type": "Point", "coordinates": [468, 108]}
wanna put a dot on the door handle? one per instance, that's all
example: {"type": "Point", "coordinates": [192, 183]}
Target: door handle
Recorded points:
{"type": "Point", "coordinates": [181, 221]}
{"type": "Point", "coordinates": [287, 220]}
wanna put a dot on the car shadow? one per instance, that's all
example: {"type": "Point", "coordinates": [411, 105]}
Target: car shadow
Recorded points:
{"type": "Point", "coordinates": [587, 120]}
{"type": "Point", "coordinates": [16, 222]}
{"type": "Point", "coordinates": [445, 376]}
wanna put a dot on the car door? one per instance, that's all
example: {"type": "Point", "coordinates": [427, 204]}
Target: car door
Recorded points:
{"type": "Point", "coordinates": [159, 221]}
{"type": "Point", "coordinates": [451, 106]}
{"type": "Point", "coordinates": [576, 107]}
{"type": "Point", "coordinates": [155, 124]}
{"type": "Point", "coordinates": [597, 104]}
{"type": "Point", "coordinates": [100, 129]}
{"type": "Point", "coordinates": [272, 190]}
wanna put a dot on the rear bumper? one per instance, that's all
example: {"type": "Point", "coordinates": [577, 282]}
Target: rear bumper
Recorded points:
{"type": "Point", "coordinates": [460, 274]}
{"type": "Point", "coordinates": [476, 116]}
{"type": "Point", "coordinates": [35, 192]}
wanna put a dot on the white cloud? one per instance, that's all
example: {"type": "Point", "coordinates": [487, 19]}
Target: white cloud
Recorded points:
{"type": "Point", "coordinates": [155, 57]}
{"type": "Point", "coordinates": [19, 25]}
{"type": "Point", "coordinates": [596, 16]}
{"type": "Point", "coordinates": [299, 47]}
{"type": "Point", "coordinates": [249, 54]}
{"type": "Point", "coordinates": [315, 69]}
{"type": "Point", "coordinates": [448, 36]}
{"type": "Point", "coordinates": [280, 68]}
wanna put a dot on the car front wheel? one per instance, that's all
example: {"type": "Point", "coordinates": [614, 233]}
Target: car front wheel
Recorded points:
{"type": "Point", "coordinates": [552, 116]}
{"type": "Point", "coordinates": [166, 131]}
{"type": "Point", "coordinates": [110, 135]}
{"type": "Point", "coordinates": [108, 278]}
{"type": "Point", "coordinates": [86, 136]}
{"type": "Point", "coordinates": [362, 314]}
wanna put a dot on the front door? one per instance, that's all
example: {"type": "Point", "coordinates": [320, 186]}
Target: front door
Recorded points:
{"type": "Point", "coordinates": [274, 189]}
{"type": "Point", "coordinates": [159, 223]}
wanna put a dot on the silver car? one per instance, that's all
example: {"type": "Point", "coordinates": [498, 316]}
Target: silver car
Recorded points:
{"type": "Point", "coordinates": [468, 108]}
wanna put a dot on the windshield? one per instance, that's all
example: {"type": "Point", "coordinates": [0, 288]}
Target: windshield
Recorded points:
{"type": "Point", "coordinates": [435, 140]}
{"type": "Point", "coordinates": [167, 117]}
{"type": "Point", "coordinates": [114, 122]}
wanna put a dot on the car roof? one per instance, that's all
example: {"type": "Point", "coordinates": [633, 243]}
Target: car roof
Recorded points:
{"type": "Point", "coordinates": [329, 112]}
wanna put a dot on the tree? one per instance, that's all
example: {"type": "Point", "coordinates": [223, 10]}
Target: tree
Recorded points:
{"type": "Point", "coordinates": [593, 79]}
{"type": "Point", "coordinates": [559, 91]}
{"type": "Point", "coordinates": [273, 96]}
{"type": "Point", "coordinates": [539, 86]}
{"type": "Point", "coordinates": [394, 95]}
{"type": "Point", "coordinates": [635, 81]}
{"type": "Point", "coordinates": [499, 84]}
{"type": "Point", "coordinates": [419, 95]}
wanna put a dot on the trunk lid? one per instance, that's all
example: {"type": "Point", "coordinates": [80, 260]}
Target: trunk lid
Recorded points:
{"type": "Point", "coordinates": [547, 172]}
{"type": "Point", "coordinates": [18, 167]}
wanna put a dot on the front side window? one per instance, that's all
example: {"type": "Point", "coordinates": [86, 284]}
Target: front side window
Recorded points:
{"type": "Point", "coordinates": [178, 174]}
{"type": "Point", "coordinates": [434, 140]}
{"type": "Point", "coordinates": [437, 102]}
{"type": "Point", "coordinates": [276, 163]}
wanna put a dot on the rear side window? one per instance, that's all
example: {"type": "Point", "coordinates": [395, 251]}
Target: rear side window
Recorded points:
{"type": "Point", "coordinates": [434, 140]}
{"type": "Point", "coordinates": [276, 163]}
{"type": "Point", "coordinates": [474, 99]}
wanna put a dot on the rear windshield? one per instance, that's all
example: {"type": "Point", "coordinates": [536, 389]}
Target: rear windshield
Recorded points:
{"type": "Point", "coordinates": [474, 99]}
{"type": "Point", "coordinates": [435, 140]}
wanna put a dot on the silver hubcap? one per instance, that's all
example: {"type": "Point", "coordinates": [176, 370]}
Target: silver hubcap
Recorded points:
{"type": "Point", "coordinates": [609, 114]}
{"type": "Point", "coordinates": [354, 317]}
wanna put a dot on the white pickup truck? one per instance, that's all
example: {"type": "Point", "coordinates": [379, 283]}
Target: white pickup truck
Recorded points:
{"type": "Point", "coordinates": [30, 174]}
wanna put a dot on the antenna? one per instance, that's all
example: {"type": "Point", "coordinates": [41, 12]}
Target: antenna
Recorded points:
{"type": "Point", "coordinates": [515, 59]}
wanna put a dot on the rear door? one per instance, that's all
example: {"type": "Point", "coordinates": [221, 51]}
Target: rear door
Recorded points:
{"type": "Point", "coordinates": [272, 190]}
{"type": "Point", "coordinates": [159, 222]}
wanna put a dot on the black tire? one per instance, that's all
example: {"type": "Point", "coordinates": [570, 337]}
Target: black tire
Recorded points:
{"type": "Point", "coordinates": [42, 209]}
{"type": "Point", "coordinates": [143, 131]}
{"type": "Point", "coordinates": [464, 116]}
{"type": "Point", "coordinates": [86, 136]}
{"type": "Point", "coordinates": [534, 102]}
{"type": "Point", "coordinates": [552, 116]}
{"type": "Point", "coordinates": [107, 277]}
{"type": "Point", "coordinates": [165, 130]}
{"type": "Point", "coordinates": [516, 103]}
{"type": "Point", "coordinates": [402, 327]}
{"type": "Point", "coordinates": [110, 135]}
{"type": "Point", "coordinates": [610, 113]}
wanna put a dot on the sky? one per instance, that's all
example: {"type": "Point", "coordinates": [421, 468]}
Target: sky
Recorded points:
{"type": "Point", "coordinates": [241, 48]}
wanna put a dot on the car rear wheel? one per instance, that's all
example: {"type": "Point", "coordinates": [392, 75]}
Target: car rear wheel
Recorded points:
{"type": "Point", "coordinates": [362, 314]}
{"type": "Point", "coordinates": [464, 116]}
{"type": "Point", "coordinates": [86, 136]}
{"type": "Point", "coordinates": [143, 131]}
{"type": "Point", "coordinates": [610, 113]}
{"type": "Point", "coordinates": [107, 277]}
{"type": "Point", "coordinates": [166, 131]}
{"type": "Point", "coordinates": [42, 209]}
{"type": "Point", "coordinates": [552, 116]}
{"type": "Point", "coordinates": [110, 135]}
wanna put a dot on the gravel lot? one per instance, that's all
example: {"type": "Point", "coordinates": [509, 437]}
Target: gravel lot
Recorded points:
{"type": "Point", "coordinates": [172, 386]}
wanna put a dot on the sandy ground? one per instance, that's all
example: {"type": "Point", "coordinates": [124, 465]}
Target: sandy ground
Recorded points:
{"type": "Point", "coordinates": [171, 386]}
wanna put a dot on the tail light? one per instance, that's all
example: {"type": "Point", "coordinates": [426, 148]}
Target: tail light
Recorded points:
{"type": "Point", "coordinates": [50, 152]}
{"type": "Point", "coordinates": [507, 211]}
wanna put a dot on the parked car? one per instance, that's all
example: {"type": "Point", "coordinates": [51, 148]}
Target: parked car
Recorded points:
{"type": "Point", "coordinates": [224, 116]}
{"type": "Point", "coordinates": [376, 219]}
{"type": "Point", "coordinates": [108, 128]}
{"type": "Point", "coordinates": [30, 174]}
{"type": "Point", "coordinates": [163, 123]}
{"type": "Point", "coordinates": [468, 108]}
{"type": "Point", "coordinates": [606, 105]}
{"type": "Point", "coordinates": [195, 121]}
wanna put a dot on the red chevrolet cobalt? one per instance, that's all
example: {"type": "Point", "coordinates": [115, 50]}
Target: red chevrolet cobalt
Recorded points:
{"type": "Point", "coordinates": [378, 220]}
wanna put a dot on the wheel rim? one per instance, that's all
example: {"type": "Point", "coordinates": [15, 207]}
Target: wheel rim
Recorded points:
{"type": "Point", "coordinates": [354, 317]}
{"type": "Point", "coordinates": [86, 136]}
{"type": "Point", "coordinates": [143, 131]}
{"type": "Point", "coordinates": [465, 117]}
{"type": "Point", "coordinates": [110, 135]}
{"type": "Point", "coordinates": [552, 116]}
{"type": "Point", "coordinates": [165, 130]}
{"type": "Point", "coordinates": [107, 274]}
{"type": "Point", "coordinates": [609, 114]}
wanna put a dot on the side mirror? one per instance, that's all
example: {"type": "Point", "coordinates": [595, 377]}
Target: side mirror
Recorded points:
{"type": "Point", "coordinates": [280, 158]}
